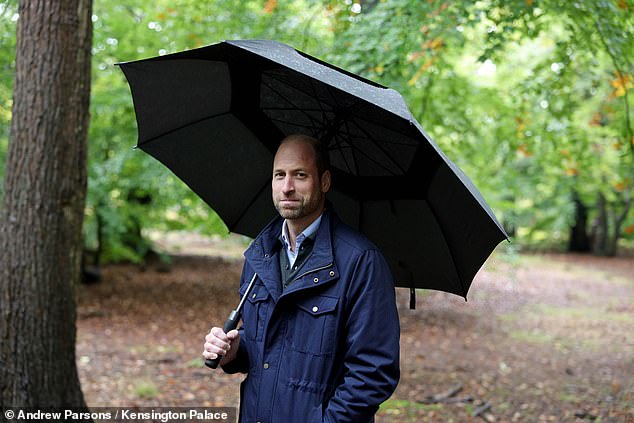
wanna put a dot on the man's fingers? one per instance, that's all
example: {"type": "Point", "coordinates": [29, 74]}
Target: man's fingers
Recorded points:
{"type": "Point", "coordinates": [210, 348]}
{"type": "Point", "coordinates": [218, 343]}
{"type": "Point", "coordinates": [218, 333]}
{"type": "Point", "coordinates": [210, 356]}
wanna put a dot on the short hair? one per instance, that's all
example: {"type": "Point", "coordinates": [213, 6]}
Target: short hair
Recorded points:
{"type": "Point", "coordinates": [322, 159]}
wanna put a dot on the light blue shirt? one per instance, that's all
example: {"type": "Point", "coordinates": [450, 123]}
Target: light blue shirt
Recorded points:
{"type": "Point", "coordinates": [310, 230]}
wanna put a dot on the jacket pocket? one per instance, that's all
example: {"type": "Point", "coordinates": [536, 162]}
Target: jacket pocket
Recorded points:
{"type": "Point", "coordinates": [255, 313]}
{"type": "Point", "coordinates": [315, 325]}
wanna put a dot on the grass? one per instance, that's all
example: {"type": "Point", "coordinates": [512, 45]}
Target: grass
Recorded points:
{"type": "Point", "coordinates": [406, 407]}
{"type": "Point", "coordinates": [532, 336]}
{"type": "Point", "coordinates": [195, 363]}
{"type": "Point", "coordinates": [154, 349]}
{"type": "Point", "coordinates": [146, 389]}
{"type": "Point", "coordinates": [584, 314]}
{"type": "Point", "coordinates": [567, 328]}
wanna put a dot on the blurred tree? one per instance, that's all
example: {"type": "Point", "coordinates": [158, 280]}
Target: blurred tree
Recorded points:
{"type": "Point", "coordinates": [129, 192]}
{"type": "Point", "coordinates": [528, 97]}
{"type": "Point", "coordinates": [42, 207]}
{"type": "Point", "coordinates": [532, 98]}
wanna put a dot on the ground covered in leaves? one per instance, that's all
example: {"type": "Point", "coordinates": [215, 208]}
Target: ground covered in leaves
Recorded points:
{"type": "Point", "coordinates": [542, 338]}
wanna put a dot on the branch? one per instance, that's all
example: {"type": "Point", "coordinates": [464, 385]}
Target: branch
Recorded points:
{"type": "Point", "coordinates": [306, 31]}
{"type": "Point", "coordinates": [628, 126]}
{"type": "Point", "coordinates": [443, 397]}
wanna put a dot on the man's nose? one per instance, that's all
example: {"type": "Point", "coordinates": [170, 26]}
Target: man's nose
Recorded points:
{"type": "Point", "coordinates": [288, 185]}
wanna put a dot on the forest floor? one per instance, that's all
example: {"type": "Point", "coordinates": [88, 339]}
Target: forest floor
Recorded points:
{"type": "Point", "coordinates": [543, 338]}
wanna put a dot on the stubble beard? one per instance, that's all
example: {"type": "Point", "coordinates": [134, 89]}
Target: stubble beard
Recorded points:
{"type": "Point", "coordinates": [303, 209]}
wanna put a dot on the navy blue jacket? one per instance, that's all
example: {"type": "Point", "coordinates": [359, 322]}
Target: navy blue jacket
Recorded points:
{"type": "Point", "coordinates": [327, 348]}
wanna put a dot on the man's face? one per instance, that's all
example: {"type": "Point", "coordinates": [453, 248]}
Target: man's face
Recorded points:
{"type": "Point", "coordinates": [298, 191]}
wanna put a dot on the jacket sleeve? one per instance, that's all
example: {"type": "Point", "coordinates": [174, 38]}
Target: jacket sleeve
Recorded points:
{"type": "Point", "coordinates": [240, 364]}
{"type": "Point", "coordinates": [371, 360]}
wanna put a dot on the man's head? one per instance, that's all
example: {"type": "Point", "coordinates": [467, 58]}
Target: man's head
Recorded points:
{"type": "Point", "coordinates": [301, 178]}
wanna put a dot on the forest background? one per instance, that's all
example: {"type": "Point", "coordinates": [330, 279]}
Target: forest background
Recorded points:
{"type": "Point", "coordinates": [531, 98]}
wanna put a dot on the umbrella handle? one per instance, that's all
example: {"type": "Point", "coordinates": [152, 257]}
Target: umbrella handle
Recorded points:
{"type": "Point", "coordinates": [232, 321]}
{"type": "Point", "coordinates": [230, 324]}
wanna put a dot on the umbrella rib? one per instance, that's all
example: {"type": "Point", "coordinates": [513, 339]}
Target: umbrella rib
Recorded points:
{"type": "Point", "coordinates": [360, 151]}
{"type": "Point", "coordinates": [353, 152]}
{"type": "Point", "coordinates": [324, 117]}
{"type": "Point", "coordinates": [334, 137]}
{"type": "Point", "coordinates": [295, 107]}
{"type": "Point", "coordinates": [312, 95]}
{"type": "Point", "coordinates": [379, 146]}
{"type": "Point", "coordinates": [376, 162]}
{"type": "Point", "coordinates": [329, 88]}
{"type": "Point", "coordinates": [414, 142]}
{"type": "Point", "coordinates": [287, 122]}
{"type": "Point", "coordinates": [171, 131]}
{"type": "Point", "coordinates": [343, 156]}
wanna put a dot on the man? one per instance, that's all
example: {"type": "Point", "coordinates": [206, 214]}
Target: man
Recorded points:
{"type": "Point", "coordinates": [320, 334]}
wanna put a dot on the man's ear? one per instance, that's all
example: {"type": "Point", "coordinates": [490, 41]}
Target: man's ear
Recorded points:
{"type": "Point", "coordinates": [325, 181]}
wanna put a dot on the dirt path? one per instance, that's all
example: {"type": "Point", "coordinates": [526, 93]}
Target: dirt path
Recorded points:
{"type": "Point", "coordinates": [542, 338]}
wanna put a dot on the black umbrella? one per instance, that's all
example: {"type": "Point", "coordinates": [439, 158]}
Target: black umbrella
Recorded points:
{"type": "Point", "coordinates": [215, 116]}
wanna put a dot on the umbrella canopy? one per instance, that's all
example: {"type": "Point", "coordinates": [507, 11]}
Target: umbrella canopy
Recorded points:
{"type": "Point", "coordinates": [215, 116]}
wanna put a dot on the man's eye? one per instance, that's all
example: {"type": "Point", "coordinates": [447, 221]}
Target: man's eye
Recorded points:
{"type": "Point", "coordinates": [301, 174]}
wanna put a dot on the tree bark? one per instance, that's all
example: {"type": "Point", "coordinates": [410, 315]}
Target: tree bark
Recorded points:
{"type": "Point", "coordinates": [619, 219]}
{"type": "Point", "coordinates": [42, 208]}
{"type": "Point", "coordinates": [600, 230]}
{"type": "Point", "coordinates": [579, 240]}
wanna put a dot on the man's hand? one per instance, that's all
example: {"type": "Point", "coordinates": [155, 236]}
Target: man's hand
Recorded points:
{"type": "Point", "coordinates": [220, 344]}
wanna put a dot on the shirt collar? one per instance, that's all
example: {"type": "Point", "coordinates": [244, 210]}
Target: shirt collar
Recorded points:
{"type": "Point", "coordinates": [306, 233]}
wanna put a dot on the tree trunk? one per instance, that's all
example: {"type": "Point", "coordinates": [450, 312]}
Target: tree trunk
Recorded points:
{"type": "Point", "coordinates": [43, 203]}
{"type": "Point", "coordinates": [600, 230]}
{"type": "Point", "coordinates": [619, 219]}
{"type": "Point", "coordinates": [606, 230]}
{"type": "Point", "coordinates": [579, 240]}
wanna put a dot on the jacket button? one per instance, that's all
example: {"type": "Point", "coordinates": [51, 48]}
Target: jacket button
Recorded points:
{"type": "Point", "coordinates": [332, 273]}
{"type": "Point", "coordinates": [254, 295]}
{"type": "Point", "coordinates": [266, 365]}
{"type": "Point", "coordinates": [315, 309]}
{"type": "Point", "coordinates": [316, 280]}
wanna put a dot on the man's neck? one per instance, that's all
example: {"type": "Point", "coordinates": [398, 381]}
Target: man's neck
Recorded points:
{"type": "Point", "coordinates": [297, 226]}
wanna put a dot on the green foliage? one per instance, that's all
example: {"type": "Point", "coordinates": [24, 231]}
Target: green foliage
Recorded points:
{"type": "Point", "coordinates": [531, 98]}
{"type": "Point", "coordinates": [128, 190]}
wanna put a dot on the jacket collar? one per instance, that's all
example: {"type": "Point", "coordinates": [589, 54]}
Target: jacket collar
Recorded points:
{"type": "Point", "coordinates": [262, 253]}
